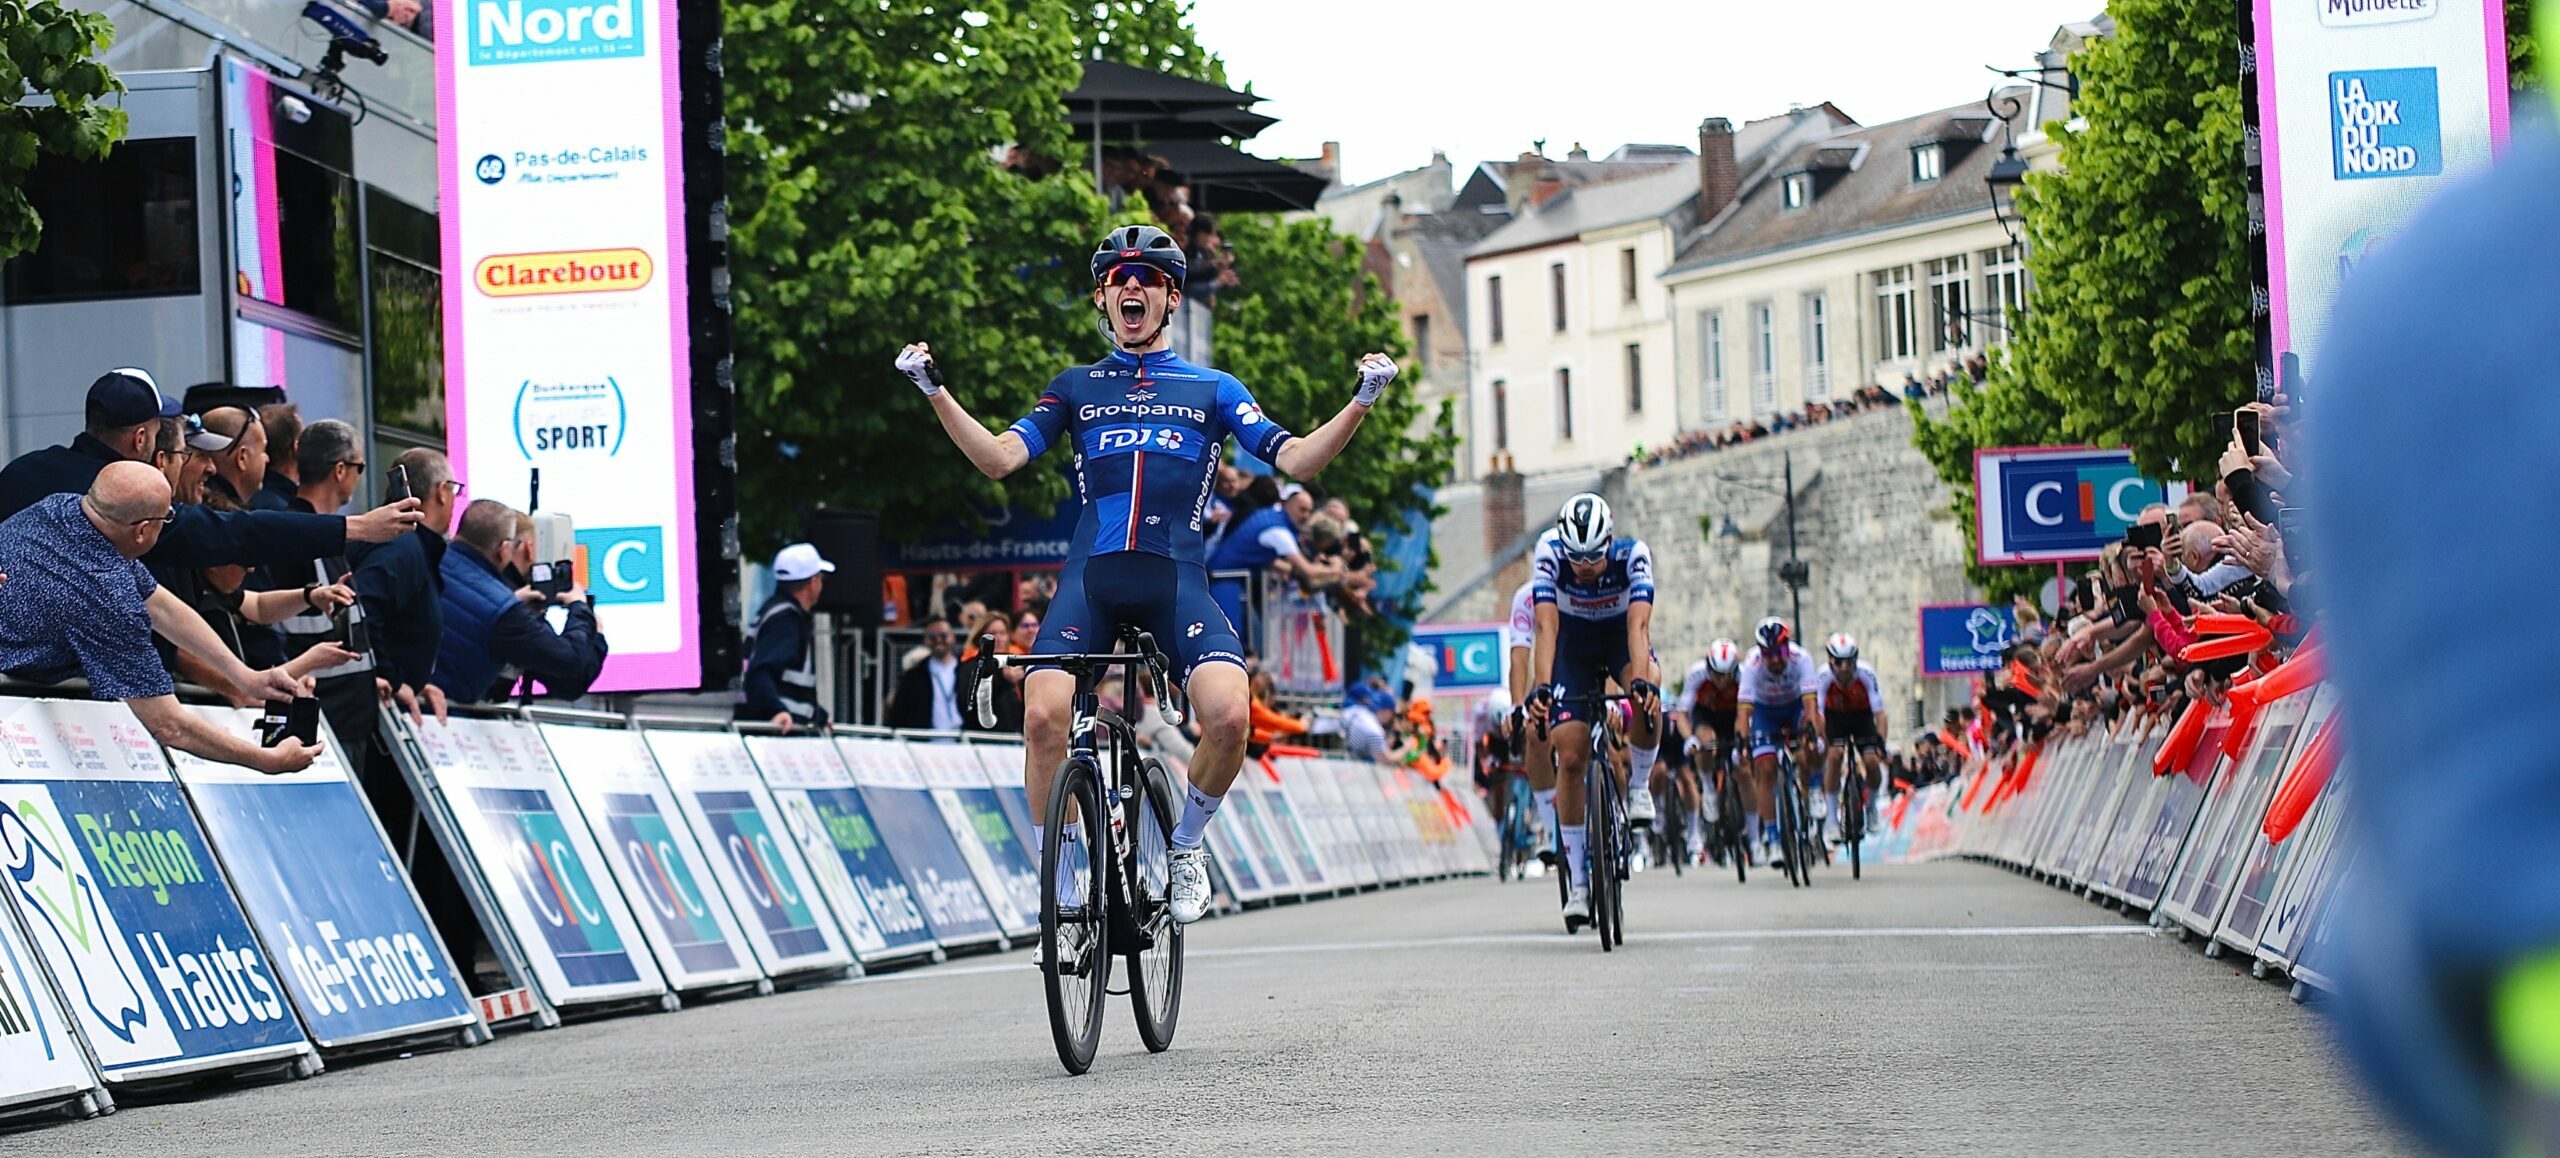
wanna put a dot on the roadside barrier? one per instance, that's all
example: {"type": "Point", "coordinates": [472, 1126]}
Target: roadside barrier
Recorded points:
{"type": "Point", "coordinates": [2218, 829]}
{"type": "Point", "coordinates": [175, 919]}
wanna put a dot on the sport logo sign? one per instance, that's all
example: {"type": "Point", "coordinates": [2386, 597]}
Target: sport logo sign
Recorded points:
{"type": "Point", "coordinates": [531, 31]}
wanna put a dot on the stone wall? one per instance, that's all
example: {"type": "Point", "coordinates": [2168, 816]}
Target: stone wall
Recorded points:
{"type": "Point", "coordinates": [1872, 522]}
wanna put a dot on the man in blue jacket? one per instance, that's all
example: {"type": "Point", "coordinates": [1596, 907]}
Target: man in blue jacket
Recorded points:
{"type": "Point", "coordinates": [1264, 539]}
{"type": "Point", "coordinates": [494, 626]}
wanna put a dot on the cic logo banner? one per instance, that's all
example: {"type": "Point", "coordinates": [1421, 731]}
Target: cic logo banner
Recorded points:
{"type": "Point", "coordinates": [624, 564]}
{"type": "Point", "coordinates": [2059, 505]}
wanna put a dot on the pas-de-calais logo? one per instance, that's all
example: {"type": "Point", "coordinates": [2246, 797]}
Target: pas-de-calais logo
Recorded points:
{"type": "Point", "coordinates": [2366, 13]}
{"type": "Point", "coordinates": [491, 169]}
{"type": "Point", "coordinates": [2384, 124]}
{"type": "Point", "coordinates": [535, 31]}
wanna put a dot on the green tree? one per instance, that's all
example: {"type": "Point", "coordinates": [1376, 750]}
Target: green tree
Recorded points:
{"type": "Point", "coordinates": [50, 52]}
{"type": "Point", "coordinates": [2138, 251]}
{"type": "Point", "coordinates": [1292, 330]}
{"type": "Point", "coordinates": [1149, 34]}
{"type": "Point", "coordinates": [868, 211]}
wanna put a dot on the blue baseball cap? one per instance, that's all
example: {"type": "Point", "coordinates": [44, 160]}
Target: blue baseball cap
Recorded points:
{"type": "Point", "coordinates": [126, 396]}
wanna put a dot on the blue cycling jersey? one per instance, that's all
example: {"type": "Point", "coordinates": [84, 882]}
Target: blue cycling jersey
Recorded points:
{"type": "Point", "coordinates": [1148, 433]}
{"type": "Point", "coordinates": [1601, 603]}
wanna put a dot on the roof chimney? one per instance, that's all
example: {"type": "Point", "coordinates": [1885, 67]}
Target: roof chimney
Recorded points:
{"type": "Point", "coordinates": [1718, 178]}
{"type": "Point", "coordinates": [1333, 159]}
{"type": "Point", "coordinates": [1578, 153]}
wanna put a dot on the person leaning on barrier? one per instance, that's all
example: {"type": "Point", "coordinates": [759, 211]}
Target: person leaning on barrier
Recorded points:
{"type": "Point", "coordinates": [495, 630]}
{"type": "Point", "coordinates": [332, 467]}
{"type": "Point", "coordinates": [122, 413]}
{"type": "Point", "coordinates": [402, 585]}
{"type": "Point", "coordinates": [282, 424]}
{"type": "Point", "coordinates": [782, 651]}
{"type": "Point", "coordinates": [77, 602]}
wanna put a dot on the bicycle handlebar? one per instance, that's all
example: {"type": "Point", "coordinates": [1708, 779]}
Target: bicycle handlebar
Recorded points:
{"type": "Point", "coordinates": [1146, 654]}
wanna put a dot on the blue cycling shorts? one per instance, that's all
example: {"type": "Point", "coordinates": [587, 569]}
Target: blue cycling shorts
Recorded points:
{"type": "Point", "coordinates": [1770, 722]}
{"type": "Point", "coordinates": [1585, 663]}
{"type": "Point", "coordinates": [1163, 597]}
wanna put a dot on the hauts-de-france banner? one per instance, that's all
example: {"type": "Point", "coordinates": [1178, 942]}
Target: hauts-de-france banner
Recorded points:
{"type": "Point", "coordinates": [2366, 110]}
{"type": "Point", "coordinates": [565, 311]}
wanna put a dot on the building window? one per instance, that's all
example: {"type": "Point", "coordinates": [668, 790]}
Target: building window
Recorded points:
{"type": "Point", "coordinates": [1817, 346]}
{"type": "Point", "coordinates": [1627, 273]}
{"type": "Point", "coordinates": [123, 227]}
{"type": "Point", "coordinates": [1897, 314]}
{"type": "Point", "coordinates": [1493, 308]}
{"type": "Point", "coordinates": [407, 318]}
{"type": "Point", "coordinates": [1927, 162]}
{"type": "Point", "coordinates": [1564, 402]}
{"type": "Point", "coordinates": [1422, 345]}
{"type": "Point", "coordinates": [1635, 378]}
{"type": "Point", "coordinates": [1797, 192]}
{"type": "Point", "coordinates": [1764, 358]}
{"type": "Point", "coordinates": [1950, 304]}
{"type": "Point", "coordinates": [1711, 365]}
{"type": "Point", "coordinates": [1501, 415]}
{"type": "Point", "coordinates": [2004, 284]}
{"type": "Point", "coordinates": [1555, 292]}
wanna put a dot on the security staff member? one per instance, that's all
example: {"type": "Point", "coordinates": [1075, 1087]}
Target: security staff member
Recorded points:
{"type": "Point", "coordinates": [494, 630]}
{"type": "Point", "coordinates": [123, 413]}
{"type": "Point", "coordinates": [782, 663]}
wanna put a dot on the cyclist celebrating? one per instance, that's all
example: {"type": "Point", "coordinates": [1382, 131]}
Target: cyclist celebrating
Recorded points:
{"type": "Point", "coordinates": [1777, 701]}
{"type": "Point", "coordinates": [1147, 430]}
{"type": "Point", "coordinates": [1594, 595]}
{"type": "Point", "coordinates": [1852, 721]}
{"type": "Point", "coordinates": [1708, 697]}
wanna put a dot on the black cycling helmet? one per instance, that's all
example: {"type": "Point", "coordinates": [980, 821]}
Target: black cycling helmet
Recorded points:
{"type": "Point", "coordinates": [1143, 244]}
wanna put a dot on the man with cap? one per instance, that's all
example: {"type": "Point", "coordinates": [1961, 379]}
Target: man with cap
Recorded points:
{"type": "Point", "coordinates": [782, 652]}
{"type": "Point", "coordinates": [123, 414]}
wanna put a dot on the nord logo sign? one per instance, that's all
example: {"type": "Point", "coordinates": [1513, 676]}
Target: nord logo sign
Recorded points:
{"type": "Point", "coordinates": [2059, 505]}
{"type": "Point", "coordinates": [528, 31]}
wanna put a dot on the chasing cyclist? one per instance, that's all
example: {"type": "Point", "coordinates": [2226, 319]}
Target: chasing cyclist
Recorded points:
{"type": "Point", "coordinates": [1709, 696]}
{"type": "Point", "coordinates": [1777, 702]}
{"type": "Point", "coordinates": [1852, 721]}
{"type": "Point", "coordinates": [1147, 431]}
{"type": "Point", "coordinates": [1521, 635]}
{"type": "Point", "coordinates": [1594, 594]}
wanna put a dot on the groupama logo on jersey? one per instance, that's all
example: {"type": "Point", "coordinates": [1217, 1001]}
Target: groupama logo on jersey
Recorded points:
{"type": "Point", "coordinates": [532, 31]}
{"type": "Point", "coordinates": [1248, 414]}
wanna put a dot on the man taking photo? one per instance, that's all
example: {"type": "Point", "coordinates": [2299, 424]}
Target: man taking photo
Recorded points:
{"type": "Point", "coordinates": [494, 630]}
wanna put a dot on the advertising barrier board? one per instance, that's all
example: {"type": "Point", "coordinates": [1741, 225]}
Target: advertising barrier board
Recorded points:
{"type": "Point", "coordinates": [317, 878]}
{"type": "Point", "coordinates": [902, 808]}
{"type": "Point", "coordinates": [652, 855]}
{"type": "Point", "coordinates": [752, 855]}
{"type": "Point", "coordinates": [1294, 831]}
{"type": "Point", "coordinates": [40, 1060]}
{"type": "Point", "coordinates": [1000, 862]}
{"type": "Point", "coordinates": [2197, 895]}
{"type": "Point", "coordinates": [1003, 766]}
{"type": "Point", "coordinates": [1260, 835]}
{"type": "Point", "coordinates": [531, 844]}
{"type": "Point", "coordinates": [865, 890]}
{"type": "Point", "coordinates": [125, 901]}
{"type": "Point", "coordinates": [2263, 869]}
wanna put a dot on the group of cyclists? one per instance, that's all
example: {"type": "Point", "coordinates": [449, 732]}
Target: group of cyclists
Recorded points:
{"type": "Point", "coordinates": [1582, 625]}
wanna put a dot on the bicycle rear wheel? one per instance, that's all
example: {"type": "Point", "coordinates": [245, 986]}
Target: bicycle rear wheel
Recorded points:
{"type": "Point", "coordinates": [1155, 951]}
{"type": "Point", "coordinates": [1853, 813]}
{"type": "Point", "coordinates": [1604, 846]}
{"type": "Point", "coordinates": [1791, 820]}
{"type": "Point", "coordinates": [1729, 824]}
{"type": "Point", "coordinates": [1075, 940]}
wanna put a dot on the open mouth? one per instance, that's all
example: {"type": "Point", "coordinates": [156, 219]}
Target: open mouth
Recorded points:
{"type": "Point", "coordinates": [1133, 312]}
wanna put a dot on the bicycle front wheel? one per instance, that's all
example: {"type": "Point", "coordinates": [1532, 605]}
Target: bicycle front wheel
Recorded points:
{"type": "Point", "coordinates": [1605, 844]}
{"type": "Point", "coordinates": [1155, 954]}
{"type": "Point", "coordinates": [1853, 815]}
{"type": "Point", "coordinates": [1075, 940]}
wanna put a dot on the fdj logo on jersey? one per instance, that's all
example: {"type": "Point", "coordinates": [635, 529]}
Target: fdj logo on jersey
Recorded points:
{"type": "Point", "coordinates": [2069, 504]}
{"type": "Point", "coordinates": [530, 31]}
{"type": "Point", "coordinates": [2385, 125]}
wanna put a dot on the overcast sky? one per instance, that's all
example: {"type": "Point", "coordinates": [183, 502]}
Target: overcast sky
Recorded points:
{"type": "Point", "coordinates": [1394, 79]}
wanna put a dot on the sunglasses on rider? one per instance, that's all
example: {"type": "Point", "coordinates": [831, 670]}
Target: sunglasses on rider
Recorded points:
{"type": "Point", "coordinates": [1586, 560]}
{"type": "Point", "coordinates": [1147, 275]}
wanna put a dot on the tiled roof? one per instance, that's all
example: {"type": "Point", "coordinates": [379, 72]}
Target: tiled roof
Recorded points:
{"type": "Point", "coordinates": [1877, 193]}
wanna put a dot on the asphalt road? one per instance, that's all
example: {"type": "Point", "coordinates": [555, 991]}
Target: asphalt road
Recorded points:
{"type": "Point", "coordinates": [1931, 1009]}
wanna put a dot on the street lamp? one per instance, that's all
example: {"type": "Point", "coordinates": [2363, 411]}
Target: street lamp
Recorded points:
{"type": "Point", "coordinates": [2008, 173]}
{"type": "Point", "coordinates": [1795, 573]}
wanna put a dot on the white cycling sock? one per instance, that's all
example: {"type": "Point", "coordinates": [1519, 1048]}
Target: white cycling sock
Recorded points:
{"type": "Point", "coordinates": [1750, 823]}
{"type": "Point", "coordinates": [1573, 841]}
{"type": "Point", "coordinates": [1547, 808]}
{"type": "Point", "coordinates": [1197, 808]}
{"type": "Point", "coordinates": [1640, 769]}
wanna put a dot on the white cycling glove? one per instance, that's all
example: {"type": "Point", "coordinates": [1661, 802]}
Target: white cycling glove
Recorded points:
{"type": "Point", "coordinates": [917, 365]}
{"type": "Point", "coordinates": [1376, 371]}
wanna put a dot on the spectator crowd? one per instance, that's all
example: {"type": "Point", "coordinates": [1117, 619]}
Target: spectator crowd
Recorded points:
{"type": "Point", "coordinates": [1864, 399]}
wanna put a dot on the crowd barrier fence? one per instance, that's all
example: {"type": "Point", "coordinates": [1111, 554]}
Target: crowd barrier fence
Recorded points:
{"type": "Point", "coordinates": [2167, 819]}
{"type": "Point", "coordinates": [170, 918]}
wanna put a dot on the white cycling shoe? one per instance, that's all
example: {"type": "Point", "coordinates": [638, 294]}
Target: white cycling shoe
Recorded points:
{"type": "Point", "coordinates": [1187, 883]}
{"type": "Point", "coordinates": [1577, 908]}
{"type": "Point", "coordinates": [1071, 950]}
{"type": "Point", "coordinates": [1640, 808]}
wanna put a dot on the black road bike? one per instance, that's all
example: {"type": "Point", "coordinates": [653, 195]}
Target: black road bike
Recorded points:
{"type": "Point", "coordinates": [1799, 835]}
{"type": "Point", "coordinates": [1608, 847]}
{"type": "Point", "coordinates": [1725, 830]}
{"type": "Point", "coordinates": [1105, 890]}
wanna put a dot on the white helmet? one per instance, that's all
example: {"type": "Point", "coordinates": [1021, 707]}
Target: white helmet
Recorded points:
{"type": "Point", "coordinates": [1584, 528]}
{"type": "Point", "coordinates": [1841, 646]}
{"type": "Point", "coordinates": [1723, 658]}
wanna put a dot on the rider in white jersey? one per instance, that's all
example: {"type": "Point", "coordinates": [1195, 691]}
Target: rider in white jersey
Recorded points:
{"type": "Point", "coordinates": [1777, 702]}
{"type": "Point", "coordinates": [1519, 637]}
{"type": "Point", "coordinates": [1594, 595]}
